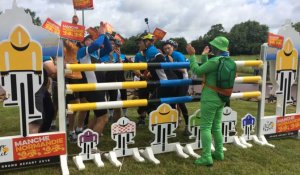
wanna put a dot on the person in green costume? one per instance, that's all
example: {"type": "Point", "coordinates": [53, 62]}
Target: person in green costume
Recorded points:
{"type": "Point", "coordinates": [211, 104]}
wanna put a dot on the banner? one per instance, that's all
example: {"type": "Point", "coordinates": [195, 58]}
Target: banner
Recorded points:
{"type": "Point", "coordinates": [275, 40]}
{"type": "Point", "coordinates": [93, 32]}
{"type": "Point", "coordinates": [32, 150]}
{"type": "Point", "coordinates": [288, 123]}
{"type": "Point", "coordinates": [72, 31]}
{"type": "Point", "coordinates": [51, 26]}
{"type": "Point", "coordinates": [109, 28]}
{"type": "Point", "coordinates": [120, 38]}
{"type": "Point", "coordinates": [83, 4]}
{"type": "Point", "coordinates": [159, 34]}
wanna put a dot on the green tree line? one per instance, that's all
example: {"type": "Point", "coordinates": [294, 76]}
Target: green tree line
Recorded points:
{"type": "Point", "coordinates": [245, 38]}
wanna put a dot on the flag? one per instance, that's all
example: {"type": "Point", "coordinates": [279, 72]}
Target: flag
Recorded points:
{"type": "Point", "coordinates": [159, 34]}
{"type": "Point", "coordinates": [275, 40]}
{"type": "Point", "coordinates": [51, 26]}
{"type": "Point", "coordinates": [83, 4]}
{"type": "Point", "coordinates": [72, 31]}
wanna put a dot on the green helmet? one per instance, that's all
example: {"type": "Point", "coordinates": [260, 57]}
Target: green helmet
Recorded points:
{"type": "Point", "coordinates": [220, 42]}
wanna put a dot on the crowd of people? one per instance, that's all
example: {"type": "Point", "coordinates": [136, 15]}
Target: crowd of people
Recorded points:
{"type": "Point", "coordinates": [106, 49]}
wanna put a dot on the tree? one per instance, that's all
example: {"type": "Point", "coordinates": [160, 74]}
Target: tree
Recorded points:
{"type": "Point", "coordinates": [35, 20]}
{"type": "Point", "coordinates": [247, 37]}
{"type": "Point", "coordinates": [198, 44]}
{"type": "Point", "coordinates": [130, 45]}
{"type": "Point", "coordinates": [215, 30]}
{"type": "Point", "coordinates": [181, 44]}
{"type": "Point", "coordinates": [296, 26]}
{"type": "Point", "coordinates": [201, 42]}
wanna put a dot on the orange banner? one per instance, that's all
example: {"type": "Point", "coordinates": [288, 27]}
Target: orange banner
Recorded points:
{"type": "Point", "coordinates": [83, 4]}
{"type": "Point", "coordinates": [72, 31]}
{"type": "Point", "coordinates": [93, 32]}
{"type": "Point", "coordinates": [120, 38]}
{"type": "Point", "coordinates": [159, 34]}
{"type": "Point", "coordinates": [109, 28]}
{"type": "Point", "coordinates": [39, 146]}
{"type": "Point", "coordinates": [288, 123]}
{"type": "Point", "coordinates": [275, 40]}
{"type": "Point", "coordinates": [51, 26]}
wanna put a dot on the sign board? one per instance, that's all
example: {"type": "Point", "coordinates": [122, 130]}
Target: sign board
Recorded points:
{"type": "Point", "coordinates": [275, 40]}
{"type": "Point", "coordinates": [278, 127]}
{"type": "Point", "coordinates": [72, 31]}
{"type": "Point", "coordinates": [93, 32]}
{"type": "Point", "coordinates": [51, 26]}
{"type": "Point", "coordinates": [83, 4]}
{"type": "Point", "coordinates": [19, 152]}
{"type": "Point", "coordinates": [159, 34]}
{"type": "Point", "coordinates": [109, 28]}
{"type": "Point", "coordinates": [120, 38]}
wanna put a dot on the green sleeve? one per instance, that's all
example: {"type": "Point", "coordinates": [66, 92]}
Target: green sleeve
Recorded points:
{"type": "Point", "coordinates": [204, 58]}
{"type": "Point", "coordinates": [208, 66]}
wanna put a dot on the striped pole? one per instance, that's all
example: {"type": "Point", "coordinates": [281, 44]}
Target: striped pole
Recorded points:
{"type": "Point", "coordinates": [126, 66]}
{"type": "Point", "coordinates": [144, 66]}
{"type": "Point", "coordinates": [70, 88]}
{"type": "Point", "coordinates": [253, 94]}
{"type": "Point", "coordinates": [145, 102]}
{"type": "Point", "coordinates": [129, 103]}
{"type": "Point", "coordinates": [248, 79]}
{"type": "Point", "coordinates": [249, 63]}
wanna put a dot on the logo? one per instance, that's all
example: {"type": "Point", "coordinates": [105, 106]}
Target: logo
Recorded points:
{"type": "Point", "coordinates": [269, 125]}
{"type": "Point", "coordinates": [3, 150]}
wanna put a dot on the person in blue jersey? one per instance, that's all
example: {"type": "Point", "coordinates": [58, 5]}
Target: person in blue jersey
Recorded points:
{"type": "Point", "coordinates": [143, 93]}
{"type": "Point", "coordinates": [152, 54]}
{"type": "Point", "coordinates": [86, 55]}
{"type": "Point", "coordinates": [175, 56]}
{"type": "Point", "coordinates": [111, 76]}
{"type": "Point", "coordinates": [118, 57]}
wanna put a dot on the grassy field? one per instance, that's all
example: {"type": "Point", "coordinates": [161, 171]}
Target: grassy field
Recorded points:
{"type": "Point", "coordinates": [283, 159]}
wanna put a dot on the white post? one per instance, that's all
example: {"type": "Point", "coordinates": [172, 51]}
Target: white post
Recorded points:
{"type": "Point", "coordinates": [298, 89]}
{"type": "Point", "coordinates": [61, 94]}
{"type": "Point", "coordinates": [298, 95]}
{"type": "Point", "coordinates": [62, 109]}
{"type": "Point", "coordinates": [262, 88]}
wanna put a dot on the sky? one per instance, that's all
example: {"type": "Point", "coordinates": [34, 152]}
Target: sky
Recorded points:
{"type": "Point", "coordinates": [179, 18]}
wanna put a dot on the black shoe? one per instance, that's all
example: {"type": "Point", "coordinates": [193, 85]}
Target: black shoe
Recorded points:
{"type": "Point", "coordinates": [186, 132]}
{"type": "Point", "coordinates": [141, 122]}
{"type": "Point", "coordinates": [77, 131]}
{"type": "Point", "coordinates": [72, 137]}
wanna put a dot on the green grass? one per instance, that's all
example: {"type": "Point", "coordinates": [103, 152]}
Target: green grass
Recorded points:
{"type": "Point", "coordinates": [283, 159]}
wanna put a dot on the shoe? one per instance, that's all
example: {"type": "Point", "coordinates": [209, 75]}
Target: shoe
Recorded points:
{"type": "Point", "coordinates": [78, 131]}
{"type": "Point", "coordinates": [72, 137]}
{"type": "Point", "coordinates": [141, 122]}
{"type": "Point", "coordinates": [204, 161]}
{"type": "Point", "coordinates": [218, 156]}
{"type": "Point", "coordinates": [186, 132]}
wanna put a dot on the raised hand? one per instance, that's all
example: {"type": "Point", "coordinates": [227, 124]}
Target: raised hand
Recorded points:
{"type": "Point", "coordinates": [102, 28]}
{"type": "Point", "coordinates": [205, 50]}
{"type": "Point", "coordinates": [190, 49]}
